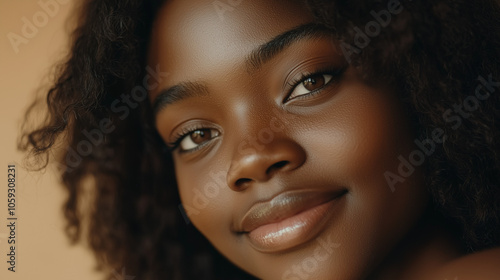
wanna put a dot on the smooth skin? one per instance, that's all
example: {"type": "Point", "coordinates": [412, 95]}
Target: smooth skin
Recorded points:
{"type": "Point", "coordinates": [303, 119]}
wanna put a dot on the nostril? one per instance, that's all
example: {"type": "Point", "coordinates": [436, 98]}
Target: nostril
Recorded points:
{"type": "Point", "coordinates": [240, 182]}
{"type": "Point", "coordinates": [277, 166]}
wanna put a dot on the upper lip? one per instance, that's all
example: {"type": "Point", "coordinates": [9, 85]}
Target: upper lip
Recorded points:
{"type": "Point", "coordinates": [284, 205]}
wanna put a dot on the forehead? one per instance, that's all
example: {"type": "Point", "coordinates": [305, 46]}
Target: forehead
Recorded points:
{"type": "Point", "coordinates": [212, 34]}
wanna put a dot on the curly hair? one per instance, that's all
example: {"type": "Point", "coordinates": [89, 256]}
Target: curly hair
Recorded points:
{"type": "Point", "coordinates": [435, 53]}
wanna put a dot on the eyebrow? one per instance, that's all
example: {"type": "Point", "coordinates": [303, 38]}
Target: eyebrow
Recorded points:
{"type": "Point", "coordinates": [254, 61]}
{"type": "Point", "coordinates": [267, 51]}
{"type": "Point", "coordinates": [177, 93]}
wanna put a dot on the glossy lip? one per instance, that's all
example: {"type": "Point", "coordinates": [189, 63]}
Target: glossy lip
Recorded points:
{"type": "Point", "coordinates": [288, 219]}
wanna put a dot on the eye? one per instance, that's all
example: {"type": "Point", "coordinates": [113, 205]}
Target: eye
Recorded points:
{"type": "Point", "coordinates": [195, 138]}
{"type": "Point", "coordinates": [310, 84]}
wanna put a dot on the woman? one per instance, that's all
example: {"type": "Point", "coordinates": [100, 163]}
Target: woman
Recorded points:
{"type": "Point", "coordinates": [302, 139]}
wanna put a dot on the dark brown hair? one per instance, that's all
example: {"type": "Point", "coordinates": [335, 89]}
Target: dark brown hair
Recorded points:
{"type": "Point", "coordinates": [434, 53]}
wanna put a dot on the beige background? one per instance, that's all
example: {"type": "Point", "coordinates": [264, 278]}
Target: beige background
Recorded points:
{"type": "Point", "coordinates": [43, 252]}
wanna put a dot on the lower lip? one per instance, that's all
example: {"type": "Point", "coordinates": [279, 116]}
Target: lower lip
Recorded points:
{"type": "Point", "coordinates": [292, 231]}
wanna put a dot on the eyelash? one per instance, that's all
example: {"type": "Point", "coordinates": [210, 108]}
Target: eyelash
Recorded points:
{"type": "Point", "coordinates": [335, 72]}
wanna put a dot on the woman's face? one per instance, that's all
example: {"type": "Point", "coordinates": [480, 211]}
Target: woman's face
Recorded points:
{"type": "Point", "coordinates": [282, 152]}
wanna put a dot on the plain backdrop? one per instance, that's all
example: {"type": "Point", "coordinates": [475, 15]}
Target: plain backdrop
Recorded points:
{"type": "Point", "coordinates": [43, 251]}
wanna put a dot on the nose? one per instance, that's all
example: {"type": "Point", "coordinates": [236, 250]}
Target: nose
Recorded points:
{"type": "Point", "coordinates": [261, 165]}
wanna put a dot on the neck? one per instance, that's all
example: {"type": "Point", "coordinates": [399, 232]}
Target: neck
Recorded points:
{"type": "Point", "coordinates": [430, 245]}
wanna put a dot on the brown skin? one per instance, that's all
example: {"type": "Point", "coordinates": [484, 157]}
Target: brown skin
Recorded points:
{"type": "Point", "coordinates": [344, 137]}
{"type": "Point", "coordinates": [479, 266]}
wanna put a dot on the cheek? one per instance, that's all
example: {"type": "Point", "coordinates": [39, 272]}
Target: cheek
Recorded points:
{"type": "Point", "coordinates": [366, 137]}
{"type": "Point", "coordinates": [205, 196]}
{"type": "Point", "coordinates": [356, 145]}
{"type": "Point", "coordinates": [361, 139]}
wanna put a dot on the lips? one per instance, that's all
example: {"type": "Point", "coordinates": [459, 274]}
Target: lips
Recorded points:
{"type": "Point", "coordinates": [288, 219]}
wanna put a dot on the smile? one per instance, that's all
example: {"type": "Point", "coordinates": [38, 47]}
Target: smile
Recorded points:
{"type": "Point", "coordinates": [289, 219]}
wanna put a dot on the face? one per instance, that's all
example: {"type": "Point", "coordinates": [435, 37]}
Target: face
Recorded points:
{"type": "Point", "coordinates": [280, 148]}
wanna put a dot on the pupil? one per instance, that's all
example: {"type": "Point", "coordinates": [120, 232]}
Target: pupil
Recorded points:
{"type": "Point", "coordinates": [315, 82]}
{"type": "Point", "coordinates": [199, 136]}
